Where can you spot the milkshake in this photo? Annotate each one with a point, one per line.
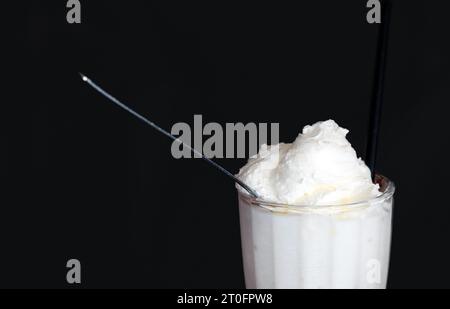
(319, 221)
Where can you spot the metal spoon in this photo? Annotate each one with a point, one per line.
(153, 125)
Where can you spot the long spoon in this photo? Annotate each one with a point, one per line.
(155, 126)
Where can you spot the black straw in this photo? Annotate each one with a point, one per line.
(161, 130)
(378, 90)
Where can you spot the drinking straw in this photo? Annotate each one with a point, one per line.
(378, 89)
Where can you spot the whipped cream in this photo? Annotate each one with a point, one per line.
(319, 168)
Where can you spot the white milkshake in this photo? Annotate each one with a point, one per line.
(320, 222)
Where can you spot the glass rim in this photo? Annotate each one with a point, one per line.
(385, 183)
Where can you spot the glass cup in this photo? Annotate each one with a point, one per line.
(314, 247)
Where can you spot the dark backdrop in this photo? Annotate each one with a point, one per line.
(84, 180)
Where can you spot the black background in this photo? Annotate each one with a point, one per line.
(85, 180)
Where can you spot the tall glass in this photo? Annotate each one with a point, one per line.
(313, 247)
